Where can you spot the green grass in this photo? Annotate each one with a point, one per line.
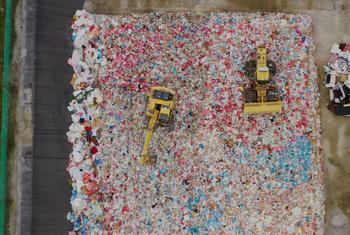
(2, 17)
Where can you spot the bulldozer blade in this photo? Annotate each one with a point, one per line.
(263, 107)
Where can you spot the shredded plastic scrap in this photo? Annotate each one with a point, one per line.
(219, 171)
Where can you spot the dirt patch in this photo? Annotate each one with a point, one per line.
(12, 200)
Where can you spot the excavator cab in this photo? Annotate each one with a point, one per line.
(161, 101)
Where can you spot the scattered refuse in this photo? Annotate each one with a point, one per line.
(337, 78)
(218, 170)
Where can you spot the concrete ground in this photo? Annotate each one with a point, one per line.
(38, 184)
(330, 20)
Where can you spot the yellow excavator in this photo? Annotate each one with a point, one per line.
(161, 102)
(261, 96)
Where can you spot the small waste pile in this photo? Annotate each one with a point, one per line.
(219, 171)
(337, 79)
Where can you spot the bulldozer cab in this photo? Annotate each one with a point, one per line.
(262, 71)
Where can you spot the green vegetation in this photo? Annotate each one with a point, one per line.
(2, 18)
(10, 199)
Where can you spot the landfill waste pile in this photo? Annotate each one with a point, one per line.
(219, 171)
(337, 79)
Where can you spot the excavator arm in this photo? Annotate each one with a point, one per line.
(145, 158)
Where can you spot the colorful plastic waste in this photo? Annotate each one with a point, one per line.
(219, 171)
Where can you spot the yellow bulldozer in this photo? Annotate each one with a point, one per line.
(161, 102)
(261, 96)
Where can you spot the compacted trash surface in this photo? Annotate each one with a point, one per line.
(218, 169)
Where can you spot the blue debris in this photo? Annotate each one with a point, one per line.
(290, 167)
